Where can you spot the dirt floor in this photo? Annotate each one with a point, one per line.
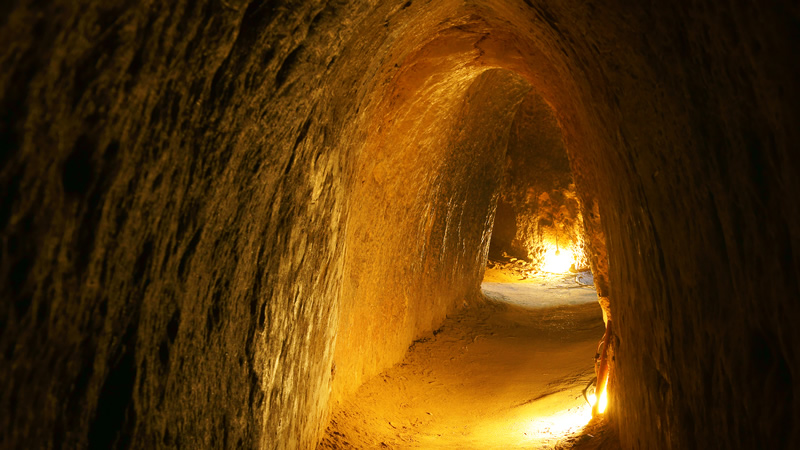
(506, 374)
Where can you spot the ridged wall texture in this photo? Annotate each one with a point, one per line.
(203, 204)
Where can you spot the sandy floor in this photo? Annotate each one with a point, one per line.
(507, 374)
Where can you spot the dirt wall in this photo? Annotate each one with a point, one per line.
(419, 228)
(174, 196)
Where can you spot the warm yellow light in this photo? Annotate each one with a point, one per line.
(559, 424)
(603, 402)
(601, 405)
(557, 260)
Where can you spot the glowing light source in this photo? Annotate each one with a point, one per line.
(560, 424)
(557, 260)
(603, 402)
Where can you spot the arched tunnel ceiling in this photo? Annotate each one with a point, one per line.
(181, 188)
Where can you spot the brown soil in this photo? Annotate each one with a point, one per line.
(505, 374)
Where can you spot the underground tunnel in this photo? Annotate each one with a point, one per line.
(224, 221)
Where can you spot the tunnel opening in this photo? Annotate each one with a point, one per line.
(538, 225)
(457, 126)
(538, 242)
(522, 359)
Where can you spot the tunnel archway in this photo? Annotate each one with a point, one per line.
(179, 180)
(424, 205)
(538, 209)
(416, 179)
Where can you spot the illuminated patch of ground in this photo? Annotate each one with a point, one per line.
(501, 375)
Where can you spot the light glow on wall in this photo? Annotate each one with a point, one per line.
(557, 260)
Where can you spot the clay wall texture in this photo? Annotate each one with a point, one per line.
(420, 220)
(210, 210)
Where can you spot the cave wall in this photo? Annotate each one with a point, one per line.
(423, 204)
(705, 324)
(174, 193)
(180, 206)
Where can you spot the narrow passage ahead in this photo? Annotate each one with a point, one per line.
(508, 373)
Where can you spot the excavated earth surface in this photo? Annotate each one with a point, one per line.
(508, 373)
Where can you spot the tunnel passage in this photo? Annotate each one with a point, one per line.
(538, 209)
(418, 238)
(180, 188)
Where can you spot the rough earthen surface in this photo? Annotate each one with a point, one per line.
(419, 228)
(194, 233)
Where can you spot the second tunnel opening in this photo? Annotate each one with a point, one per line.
(538, 226)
